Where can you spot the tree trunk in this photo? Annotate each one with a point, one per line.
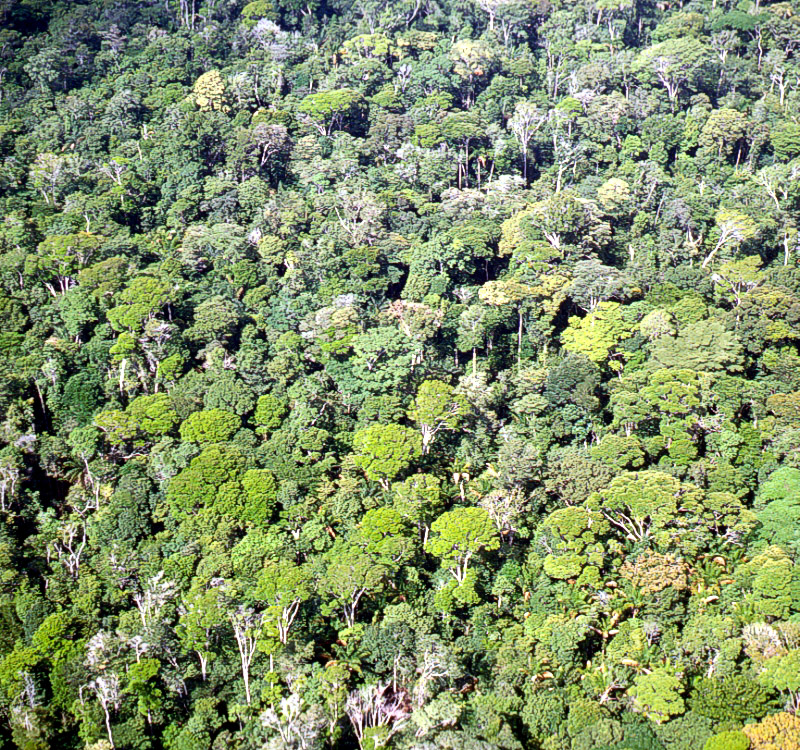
(108, 727)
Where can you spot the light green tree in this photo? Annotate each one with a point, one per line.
(419, 498)
(732, 229)
(723, 129)
(139, 302)
(458, 535)
(201, 618)
(642, 504)
(327, 111)
(767, 582)
(284, 586)
(673, 63)
(350, 574)
(598, 334)
(209, 426)
(209, 92)
(782, 673)
(383, 451)
(658, 694)
(436, 407)
(508, 292)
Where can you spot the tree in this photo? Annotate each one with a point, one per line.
(557, 228)
(216, 319)
(419, 498)
(569, 536)
(472, 61)
(778, 730)
(106, 689)
(598, 334)
(209, 426)
(778, 506)
(658, 694)
(740, 277)
(210, 92)
(142, 683)
(269, 413)
(767, 582)
(463, 128)
(734, 698)
(383, 534)
(201, 620)
(706, 346)
(593, 283)
(782, 673)
(351, 573)
(436, 407)
(472, 330)
(246, 625)
(65, 257)
(332, 110)
(459, 535)
(384, 451)
(673, 63)
(376, 712)
(140, 301)
(198, 484)
(284, 587)
(643, 504)
(524, 124)
(729, 740)
(52, 175)
(724, 128)
(297, 724)
(507, 292)
(490, 7)
(146, 417)
(153, 415)
(733, 228)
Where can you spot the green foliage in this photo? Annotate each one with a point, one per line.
(782, 673)
(399, 374)
(459, 535)
(140, 301)
(735, 698)
(544, 714)
(598, 334)
(210, 426)
(154, 414)
(768, 582)
(198, 484)
(685, 732)
(436, 408)
(384, 451)
(331, 110)
(643, 504)
(269, 413)
(730, 740)
(703, 347)
(658, 694)
(674, 63)
(145, 417)
(778, 504)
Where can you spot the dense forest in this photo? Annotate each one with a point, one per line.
(414, 374)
